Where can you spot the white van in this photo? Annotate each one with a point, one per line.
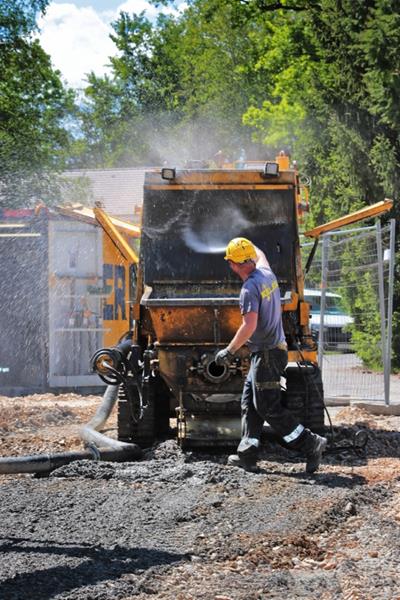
(336, 321)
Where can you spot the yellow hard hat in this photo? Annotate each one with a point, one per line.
(239, 250)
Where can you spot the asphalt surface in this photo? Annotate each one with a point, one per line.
(344, 376)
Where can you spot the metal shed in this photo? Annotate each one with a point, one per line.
(55, 297)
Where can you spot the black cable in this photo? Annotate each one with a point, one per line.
(337, 448)
(136, 415)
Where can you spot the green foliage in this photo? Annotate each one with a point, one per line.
(178, 89)
(360, 295)
(396, 315)
(18, 17)
(366, 331)
(334, 76)
(33, 105)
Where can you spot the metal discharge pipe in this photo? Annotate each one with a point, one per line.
(105, 448)
(44, 463)
(90, 433)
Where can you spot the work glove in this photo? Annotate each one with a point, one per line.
(223, 357)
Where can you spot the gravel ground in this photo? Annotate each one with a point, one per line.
(185, 526)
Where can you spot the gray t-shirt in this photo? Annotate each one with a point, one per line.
(260, 293)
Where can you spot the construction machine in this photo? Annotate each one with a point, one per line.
(183, 302)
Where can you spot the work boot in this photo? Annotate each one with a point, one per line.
(312, 446)
(314, 455)
(248, 463)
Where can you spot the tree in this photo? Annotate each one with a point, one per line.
(18, 18)
(335, 74)
(178, 89)
(33, 106)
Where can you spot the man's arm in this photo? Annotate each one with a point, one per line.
(262, 260)
(245, 331)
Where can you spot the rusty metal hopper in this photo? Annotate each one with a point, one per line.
(191, 293)
(193, 320)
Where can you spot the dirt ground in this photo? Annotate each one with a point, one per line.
(185, 526)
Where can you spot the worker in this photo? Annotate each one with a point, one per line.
(262, 330)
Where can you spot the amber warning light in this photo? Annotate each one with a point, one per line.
(271, 169)
(168, 173)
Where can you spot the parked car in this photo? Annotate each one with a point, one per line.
(336, 321)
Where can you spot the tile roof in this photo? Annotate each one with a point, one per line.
(118, 190)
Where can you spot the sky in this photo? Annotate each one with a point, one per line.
(76, 34)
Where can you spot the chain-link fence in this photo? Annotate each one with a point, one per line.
(350, 289)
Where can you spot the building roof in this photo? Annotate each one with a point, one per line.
(119, 191)
(87, 215)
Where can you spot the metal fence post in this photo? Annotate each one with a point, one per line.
(390, 307)
(381, 291)
(324, 280)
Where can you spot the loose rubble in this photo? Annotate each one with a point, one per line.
(186, 526)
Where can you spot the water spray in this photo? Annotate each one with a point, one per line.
(212, 238)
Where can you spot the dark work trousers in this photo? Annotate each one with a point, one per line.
(261, 401)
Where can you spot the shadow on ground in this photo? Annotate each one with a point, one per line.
(97, 564)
